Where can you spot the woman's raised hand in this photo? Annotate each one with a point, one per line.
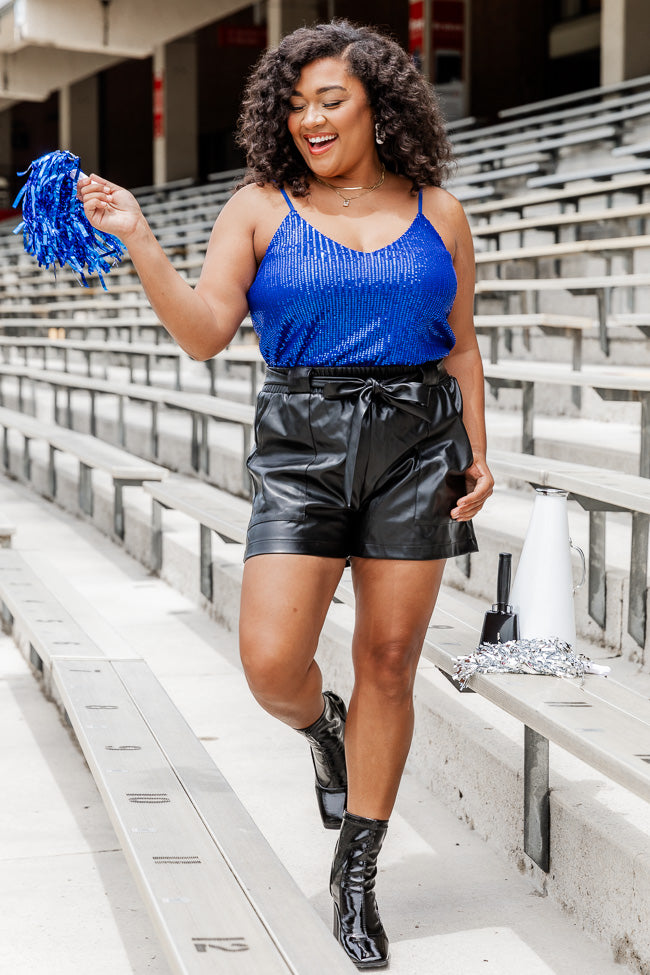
(108, 207)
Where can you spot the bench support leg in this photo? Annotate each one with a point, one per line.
(644, 455)
(156, 535)
(597, 568)
(604, 296)
(51, 473)
(206, 562)
(576, 362)
(212, 370)
(154, 430)
(93, 413)
(121, 425)
(637, 609)
(194, 450)
(27, 460)
(118, 508)
(247, 436)
(528, 412)
(255, 368)
(494, 346)
(85, 489)
(204, 461)
(537, 819)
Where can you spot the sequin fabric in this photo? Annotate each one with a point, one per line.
(316, 302)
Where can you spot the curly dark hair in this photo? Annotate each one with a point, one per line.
(404, 105)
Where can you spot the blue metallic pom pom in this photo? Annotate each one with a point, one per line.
(54, 225)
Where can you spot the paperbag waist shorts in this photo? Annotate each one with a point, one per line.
(359, 461)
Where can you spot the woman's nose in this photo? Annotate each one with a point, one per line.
(314, 115)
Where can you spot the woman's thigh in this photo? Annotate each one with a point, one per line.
(284, 602)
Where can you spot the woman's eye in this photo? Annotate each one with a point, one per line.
(296, 108)
(331, 104)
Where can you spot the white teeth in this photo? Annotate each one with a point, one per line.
(313, 140)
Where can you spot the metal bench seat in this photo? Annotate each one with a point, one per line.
(201, 407)
(124, 468)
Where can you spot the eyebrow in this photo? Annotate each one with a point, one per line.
(321, 91)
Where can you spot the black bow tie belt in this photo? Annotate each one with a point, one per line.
(408, 396)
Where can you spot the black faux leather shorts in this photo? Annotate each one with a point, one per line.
(359, 461)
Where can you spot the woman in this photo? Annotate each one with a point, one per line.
(358, 271)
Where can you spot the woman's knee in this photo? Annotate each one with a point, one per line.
(271, 672)
(389, 667)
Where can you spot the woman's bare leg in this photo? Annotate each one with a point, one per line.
(394, 603)
(284, 602)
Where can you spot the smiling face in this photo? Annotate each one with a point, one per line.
(332, 123)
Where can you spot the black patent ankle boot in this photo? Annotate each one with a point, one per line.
(357, 925)
(325, 738)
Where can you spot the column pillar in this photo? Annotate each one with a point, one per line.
(79, 123)
(175, 110)
(65, 113)
(625, 25)
(159, 127)
(286, 15)
(181, 108)
(5, 157)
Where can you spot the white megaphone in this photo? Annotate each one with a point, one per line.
(542, 593)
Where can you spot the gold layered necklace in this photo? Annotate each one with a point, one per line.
(342, 190)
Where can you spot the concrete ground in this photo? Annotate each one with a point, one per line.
(67, 902)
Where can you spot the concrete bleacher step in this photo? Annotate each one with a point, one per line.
(450, 902)
(67, 900)
(170, 806)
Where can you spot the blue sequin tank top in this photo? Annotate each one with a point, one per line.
(315, 302)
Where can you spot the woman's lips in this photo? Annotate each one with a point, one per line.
(318, 148)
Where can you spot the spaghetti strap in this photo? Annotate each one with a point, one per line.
(420, 202)
(288, 199)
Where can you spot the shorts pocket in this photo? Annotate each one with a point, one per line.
(443, 458)
(284, 450)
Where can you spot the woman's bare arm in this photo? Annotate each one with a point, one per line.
(464, 362)
(203, 320)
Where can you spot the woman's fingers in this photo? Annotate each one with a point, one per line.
(479, 478)
(105, 183)
(107, 206)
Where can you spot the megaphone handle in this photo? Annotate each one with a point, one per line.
(584, 566)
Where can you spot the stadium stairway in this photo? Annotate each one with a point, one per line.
(451, 901)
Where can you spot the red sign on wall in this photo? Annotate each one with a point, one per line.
(448, 24)
(416, 26)
(242, 36)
